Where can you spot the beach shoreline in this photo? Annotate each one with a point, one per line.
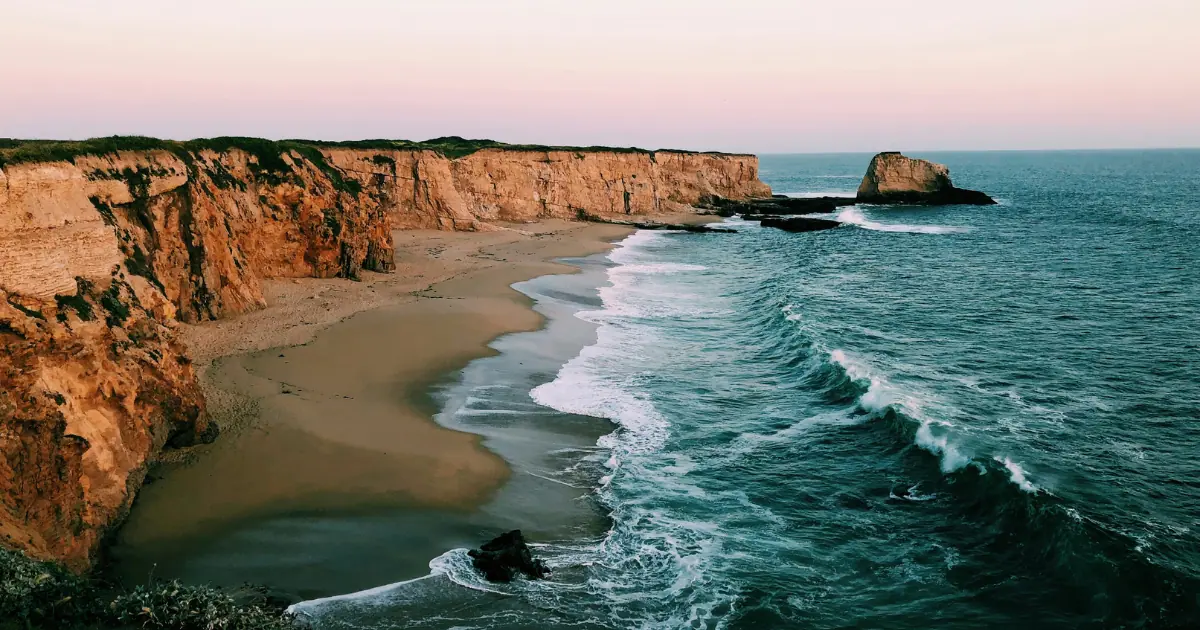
(324, 397)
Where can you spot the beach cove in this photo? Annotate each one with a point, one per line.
(324, 398)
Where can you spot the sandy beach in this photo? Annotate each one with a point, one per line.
(323, 397)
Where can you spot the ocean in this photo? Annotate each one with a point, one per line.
(959, 417)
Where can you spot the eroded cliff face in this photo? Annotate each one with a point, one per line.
(92, 383)
(428, 190)
(522, 185)
(101, 255)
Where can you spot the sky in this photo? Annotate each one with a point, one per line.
(746, 75)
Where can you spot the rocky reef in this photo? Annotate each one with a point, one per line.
(775, 205)
(106, 244)
(799, 224)
(893, 178)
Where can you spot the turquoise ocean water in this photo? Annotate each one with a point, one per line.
(958, 417)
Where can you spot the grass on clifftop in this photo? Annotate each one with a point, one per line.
(43, 595)
(268, 152)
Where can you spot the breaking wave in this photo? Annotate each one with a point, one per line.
(854, 216)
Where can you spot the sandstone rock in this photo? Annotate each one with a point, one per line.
(894, 178)
(92, 386)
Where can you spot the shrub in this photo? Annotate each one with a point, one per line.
(268, 153)
(34, 313)
(41, 594)
(139, 265)
(105, 211)
(77, 302)
(174, 606)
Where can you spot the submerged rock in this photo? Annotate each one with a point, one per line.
(894, 178)
(506, 555)
(799, 224)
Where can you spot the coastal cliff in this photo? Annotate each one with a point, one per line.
(106, 244)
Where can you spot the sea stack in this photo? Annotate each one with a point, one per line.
(894, 178)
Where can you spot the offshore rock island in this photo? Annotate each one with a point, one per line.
(105, 245)
(893, 178)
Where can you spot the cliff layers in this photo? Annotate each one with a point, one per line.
(105, 245)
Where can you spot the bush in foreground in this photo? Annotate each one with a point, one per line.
(43, 595)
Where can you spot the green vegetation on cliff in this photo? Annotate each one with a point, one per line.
(268, 152)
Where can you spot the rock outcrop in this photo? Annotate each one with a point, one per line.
(895, 179)
(506, 556)
(106, 244)
(203, 227)
(777, 205)
(430, 190)
(799, 224)
(92, 384)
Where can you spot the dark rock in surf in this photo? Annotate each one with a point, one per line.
(799, 224)
(776, 205)
(502, 558)
(895, 179)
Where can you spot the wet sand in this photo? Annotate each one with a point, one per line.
(324, 396)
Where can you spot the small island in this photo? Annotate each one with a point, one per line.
(893, 178)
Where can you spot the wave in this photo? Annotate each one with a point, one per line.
(649, 554)
(379, 595)
(580, 389)
(583, 385)
(1053, 535)
(881, 398)
(854, 216)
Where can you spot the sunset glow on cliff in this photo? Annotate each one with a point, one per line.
(756, 76)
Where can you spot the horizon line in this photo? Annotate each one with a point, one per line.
(619, 146)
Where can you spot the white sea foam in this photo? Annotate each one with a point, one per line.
(939, 444)
(653, 268)
(587, 385)
(932, 435)
(668, 555)
(580, 389)
(377, 595)
(912, 494)
(1017, 474)
(854, 216)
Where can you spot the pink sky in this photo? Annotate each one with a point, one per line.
(749, 75)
